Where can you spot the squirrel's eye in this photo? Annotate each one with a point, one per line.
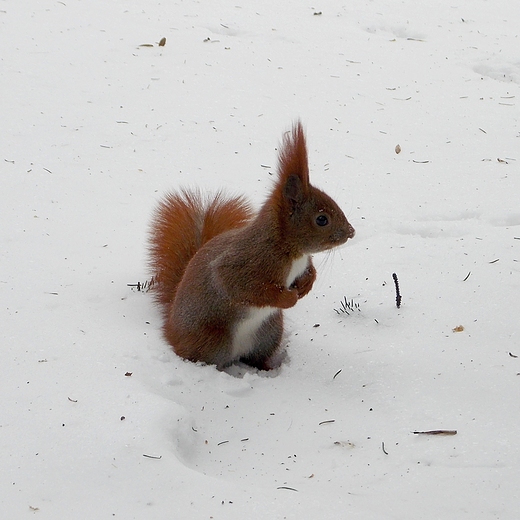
(322, 220)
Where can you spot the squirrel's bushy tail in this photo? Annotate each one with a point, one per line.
(183, 222)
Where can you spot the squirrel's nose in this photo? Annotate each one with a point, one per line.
(351, 232)
(343, 234)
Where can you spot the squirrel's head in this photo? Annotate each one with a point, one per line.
(308, 217)
(313, 219)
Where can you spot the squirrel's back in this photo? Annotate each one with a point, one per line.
(182, 224)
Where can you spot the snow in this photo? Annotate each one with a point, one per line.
(100, 419)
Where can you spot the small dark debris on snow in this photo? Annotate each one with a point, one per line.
(458, 328)
(437, 432)
(347, 307)
(144, 286)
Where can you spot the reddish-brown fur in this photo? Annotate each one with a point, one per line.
(183, 223)
(222, 273)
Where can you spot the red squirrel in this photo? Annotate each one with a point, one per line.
(223, 274)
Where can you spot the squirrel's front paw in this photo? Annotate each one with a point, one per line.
(304, 283)
(287, 298)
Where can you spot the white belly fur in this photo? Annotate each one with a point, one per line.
(297, 269)
(245, 332)
(243, 340)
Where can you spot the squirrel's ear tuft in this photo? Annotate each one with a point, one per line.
(293, 157)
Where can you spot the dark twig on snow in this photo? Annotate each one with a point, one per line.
(437, 432)
(397, 291)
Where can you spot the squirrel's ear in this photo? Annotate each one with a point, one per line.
(299, 152)
(293, 157)
(293, 191)
(293, 169)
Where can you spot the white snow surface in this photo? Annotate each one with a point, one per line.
(100, 419)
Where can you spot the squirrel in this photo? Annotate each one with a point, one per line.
(223, 274)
